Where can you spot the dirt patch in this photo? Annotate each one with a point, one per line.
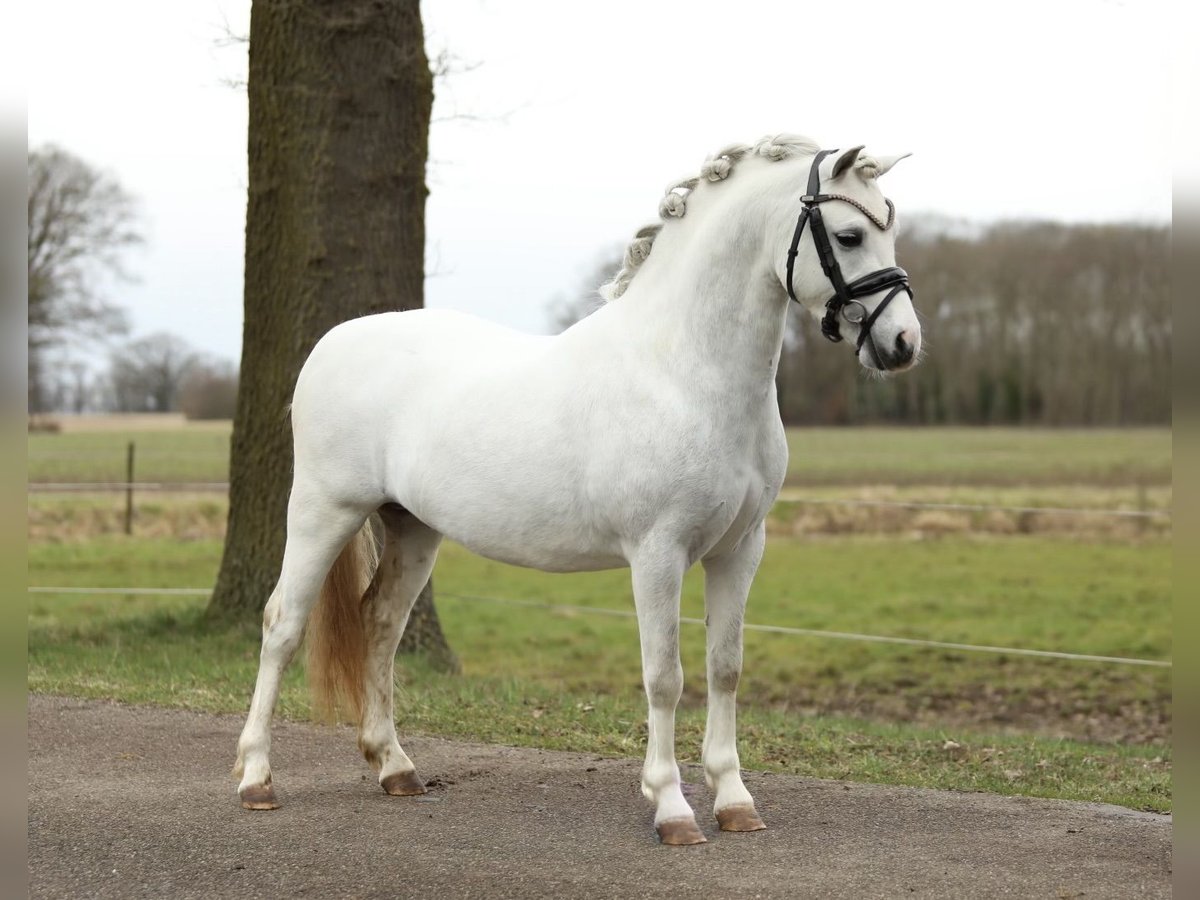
(987, 708)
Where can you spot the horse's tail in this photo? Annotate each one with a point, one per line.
(337, 636)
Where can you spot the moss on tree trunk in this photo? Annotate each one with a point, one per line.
(340, 98)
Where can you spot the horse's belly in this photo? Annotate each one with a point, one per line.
(519, 523)
(544, 556)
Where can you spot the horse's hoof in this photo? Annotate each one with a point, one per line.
(680, 832)
(258, 796)
(403, 784)
(741, 817)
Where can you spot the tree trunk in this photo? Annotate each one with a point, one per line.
(340, 97)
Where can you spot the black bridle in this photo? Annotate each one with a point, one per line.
(844, 302)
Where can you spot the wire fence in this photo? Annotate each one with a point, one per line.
(688, 620)
(87, 487)
(221, 486)
(129, 487)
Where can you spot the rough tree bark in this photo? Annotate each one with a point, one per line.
(340, 97)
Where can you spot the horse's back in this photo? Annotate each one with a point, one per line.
(425, 336)
(368, 377)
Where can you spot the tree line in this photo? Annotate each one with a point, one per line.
(1023, 323)
(81, 222)
(160, 372)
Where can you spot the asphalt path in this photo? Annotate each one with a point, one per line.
(139, 802)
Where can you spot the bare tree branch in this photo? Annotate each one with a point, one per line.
(81, 222)
(146, 375)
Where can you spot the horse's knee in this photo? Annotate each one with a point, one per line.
(664, 683)
(724, 675)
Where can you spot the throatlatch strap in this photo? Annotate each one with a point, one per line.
(791, 263)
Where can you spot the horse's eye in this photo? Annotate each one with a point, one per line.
(849, 238)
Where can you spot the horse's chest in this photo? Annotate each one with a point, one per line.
(740, 492)
(730, 518)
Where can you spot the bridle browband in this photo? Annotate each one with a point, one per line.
(844, 301)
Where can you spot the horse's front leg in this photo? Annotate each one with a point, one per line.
(657, 578)
(726, 585)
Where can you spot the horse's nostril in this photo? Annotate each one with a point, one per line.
(904, 348)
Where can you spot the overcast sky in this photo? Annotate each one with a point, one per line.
(557, 145)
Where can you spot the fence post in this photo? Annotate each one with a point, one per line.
(1143, 502)
(129, 490)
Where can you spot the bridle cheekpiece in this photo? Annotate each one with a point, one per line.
(844, 303)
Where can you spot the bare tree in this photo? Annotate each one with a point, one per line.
(209, 391)
(146, 374)
(1033, 323)
(80, 222)
(340, 97)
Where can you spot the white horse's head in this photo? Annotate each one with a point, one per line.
(844, 271)
(816, 218)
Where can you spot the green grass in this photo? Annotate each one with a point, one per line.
(176, 659)
(571, 680)
(194, 453)
(1001, 456)
(844, 456)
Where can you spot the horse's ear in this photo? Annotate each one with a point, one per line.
(886, 162)
(846, 160)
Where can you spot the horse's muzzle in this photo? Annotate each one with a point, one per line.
(900, 355)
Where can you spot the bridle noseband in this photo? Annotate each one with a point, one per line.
(844, 301)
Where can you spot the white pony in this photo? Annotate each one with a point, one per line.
(647, 435)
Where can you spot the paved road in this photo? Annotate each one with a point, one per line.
(136, 802)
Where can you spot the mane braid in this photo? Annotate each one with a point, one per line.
(673, 205)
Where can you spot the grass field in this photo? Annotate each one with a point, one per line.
(809, 705)
(812, 706)
(999, 456)
(1105, 600)
(819, 456)
(188, 453)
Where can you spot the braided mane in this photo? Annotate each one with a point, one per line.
(673, 205)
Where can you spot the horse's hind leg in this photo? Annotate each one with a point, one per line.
(727, 582)
(409, 552)
(317, 531)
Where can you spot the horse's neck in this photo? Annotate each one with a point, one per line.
(713, 311)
